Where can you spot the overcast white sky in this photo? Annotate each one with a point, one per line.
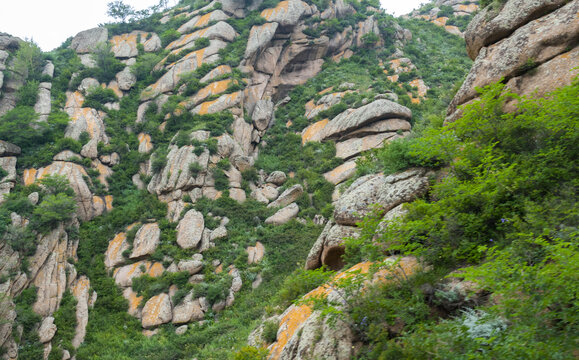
(50, 23)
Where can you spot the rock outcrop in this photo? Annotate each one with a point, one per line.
(529, 35)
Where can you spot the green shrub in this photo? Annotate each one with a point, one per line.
(251, 353)
(269, 334)
(195, 169)
(28, 94)
(99, 96)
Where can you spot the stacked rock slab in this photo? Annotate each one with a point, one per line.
(529, 45)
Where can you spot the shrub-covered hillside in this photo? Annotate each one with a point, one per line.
(192, 182)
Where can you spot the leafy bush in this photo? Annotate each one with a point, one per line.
(99, 96)
(28, 94)
(269, 334)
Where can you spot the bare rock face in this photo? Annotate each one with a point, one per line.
(188, 310)
(341, 173)
(176, 174)
(220, 31)
(157, 311)
(255, 253)
(81, 291)
(47, 330)
(48, 270)
(349, 121)
(124, 275)
(9, 149)
(86, 41)
(488, 27)
(259, 37)
(125, 45)
(146, 240)
(202, 21)
(288, 196)
(386, 191)
(188, 63)
(190, 229)
(283, 215)
(527, 45)
(262, 114)
(114, 253)
(287, 12)
(224, 102)
(354, 146)
(90, 121)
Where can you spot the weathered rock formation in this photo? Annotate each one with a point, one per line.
(528, 45)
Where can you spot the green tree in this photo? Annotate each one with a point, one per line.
(29, 61)
(53, 210)
(119, 10)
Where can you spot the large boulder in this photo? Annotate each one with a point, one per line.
(9, 149)
(190, 229)
(288, 196)
(283, 215)
(224, 102)
(82, 293)
(114, 254)
(146, 240)
(259, 37)
(385, 191)
(329, 247)
(349, 121)
(188, 310)
(157, 311)
(262, 114)
(87, 40)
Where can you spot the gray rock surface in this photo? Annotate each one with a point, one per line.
(86, 41)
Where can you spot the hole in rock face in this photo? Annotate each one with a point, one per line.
(332, 257)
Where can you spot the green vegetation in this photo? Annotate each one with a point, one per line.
(505, 207)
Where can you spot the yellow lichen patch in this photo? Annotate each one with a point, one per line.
(114, 86)
(109, 202)
(393, 78)
(205, 108)
(310, 105)
(203, 20)
(421, 86)
(98, 202)
(115, 245)
(425, 17)
(74, 100)
(156, 270)
(288, 123)
(327, 90)
(219, 269)
(29, 176)
(213, 89)
(453, 30)
(441, 21)
(281, 8)
(309, 133)
(218, 71)
(336, 175)
(81, 285)
(133, 225)
(134, 301)
(413, 99)
(145, 142)
(469, 8)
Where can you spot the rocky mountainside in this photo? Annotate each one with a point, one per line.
(194, 184)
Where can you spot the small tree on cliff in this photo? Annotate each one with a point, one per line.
(119, 10)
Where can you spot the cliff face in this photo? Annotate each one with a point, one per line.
(201, 152)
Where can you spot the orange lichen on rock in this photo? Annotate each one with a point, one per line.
(327, 90)
(441, 21)
(214, 88)
(296, 315)
(393, 78)
(29, 176)
(469, 8)
(115, 245)
(310, 133)
(282, 7)
(109, 202)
